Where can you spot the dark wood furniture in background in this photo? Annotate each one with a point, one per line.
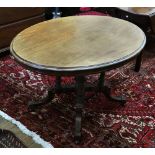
(13, 20)
(144, 17)
(78, 46)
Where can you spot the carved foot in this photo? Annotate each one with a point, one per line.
(32, 105)
(120, 99)
(107, 90)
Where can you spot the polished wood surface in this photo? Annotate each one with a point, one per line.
(77, 43)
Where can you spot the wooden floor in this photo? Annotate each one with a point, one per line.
(27, 140)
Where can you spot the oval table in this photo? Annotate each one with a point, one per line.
(78, 46)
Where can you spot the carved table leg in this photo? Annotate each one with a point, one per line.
(138, 62)
(51, 92)
(101, 81)
(79, 106)
(107, 90)
(58, 87)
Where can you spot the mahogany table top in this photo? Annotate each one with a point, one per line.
(78, 43)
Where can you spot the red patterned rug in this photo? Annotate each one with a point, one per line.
(105, 123)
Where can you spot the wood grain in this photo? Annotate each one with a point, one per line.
(78, 42)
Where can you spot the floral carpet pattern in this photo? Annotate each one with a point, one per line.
(105, 123)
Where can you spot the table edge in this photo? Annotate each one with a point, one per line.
(82, 69)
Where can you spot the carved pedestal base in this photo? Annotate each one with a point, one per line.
(80, 89)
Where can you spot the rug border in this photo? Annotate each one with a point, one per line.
(26, 131)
